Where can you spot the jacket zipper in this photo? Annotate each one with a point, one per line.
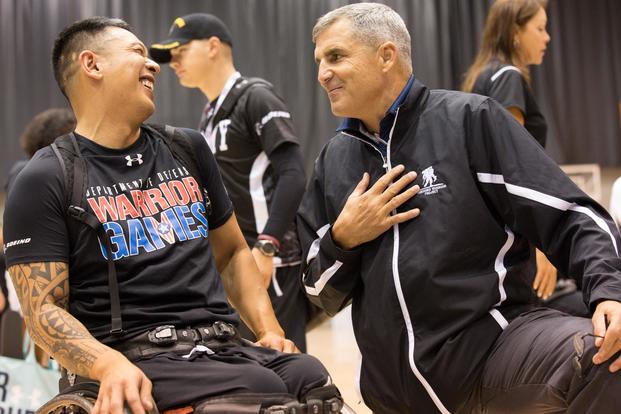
(384, 162)
(404, 310)
(395, 272)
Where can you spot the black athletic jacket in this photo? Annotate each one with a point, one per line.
(430, 296)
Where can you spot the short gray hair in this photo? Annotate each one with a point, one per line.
(373, 24)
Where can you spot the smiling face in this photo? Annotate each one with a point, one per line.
(533, 39)
(191, 63)
(350, 71)
(128, 73)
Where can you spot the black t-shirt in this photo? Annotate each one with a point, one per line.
(15, 170)
(242, 144)
(155, 213)
(506, 85)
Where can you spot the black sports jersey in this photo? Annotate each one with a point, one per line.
(242, 144)
(155, 214)
(506, 85)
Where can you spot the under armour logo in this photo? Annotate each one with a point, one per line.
(131, 161)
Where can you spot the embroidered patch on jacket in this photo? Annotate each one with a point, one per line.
(430, 185)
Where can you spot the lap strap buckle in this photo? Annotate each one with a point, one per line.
(163, 335)
(223, 330)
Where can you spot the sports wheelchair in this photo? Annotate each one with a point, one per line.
(80, 399)
(78, 395)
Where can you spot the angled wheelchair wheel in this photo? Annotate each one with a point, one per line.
(73, 404)
(67, 404)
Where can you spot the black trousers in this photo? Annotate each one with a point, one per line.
(572, 303)
(179, 381)
(533, 368)
(290, 306)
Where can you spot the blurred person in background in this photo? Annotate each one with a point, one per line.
(514, 38)
(40, 132)
(250, 132)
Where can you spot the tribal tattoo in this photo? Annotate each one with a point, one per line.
(43, 291)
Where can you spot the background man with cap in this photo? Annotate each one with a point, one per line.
(249, 130)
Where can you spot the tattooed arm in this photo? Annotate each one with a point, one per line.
(43, 291)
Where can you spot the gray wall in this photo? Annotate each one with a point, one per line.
(578, 85)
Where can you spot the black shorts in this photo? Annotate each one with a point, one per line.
(179, 381)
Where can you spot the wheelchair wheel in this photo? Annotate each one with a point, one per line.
(67, 404)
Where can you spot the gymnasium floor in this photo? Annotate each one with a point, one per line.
(334, 344)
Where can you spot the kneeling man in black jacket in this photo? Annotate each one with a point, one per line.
(420, 212)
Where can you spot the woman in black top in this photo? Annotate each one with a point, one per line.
(515, 37)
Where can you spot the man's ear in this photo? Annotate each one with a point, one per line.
(388, 55)
(215, 46)
(90, 64)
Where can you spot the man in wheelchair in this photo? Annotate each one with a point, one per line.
(124, 248)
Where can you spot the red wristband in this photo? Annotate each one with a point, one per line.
(270, 238)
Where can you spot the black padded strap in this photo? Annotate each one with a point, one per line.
(180, 145)
(63, 165)
(79, 181)
(116, 321)
(237, 91)
(75, 174)
(64, 150)
(249, 403)
(73, 166)
(185, 151)
(80, 178)
(90, 220)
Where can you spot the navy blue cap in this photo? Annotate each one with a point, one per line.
(187, 28)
